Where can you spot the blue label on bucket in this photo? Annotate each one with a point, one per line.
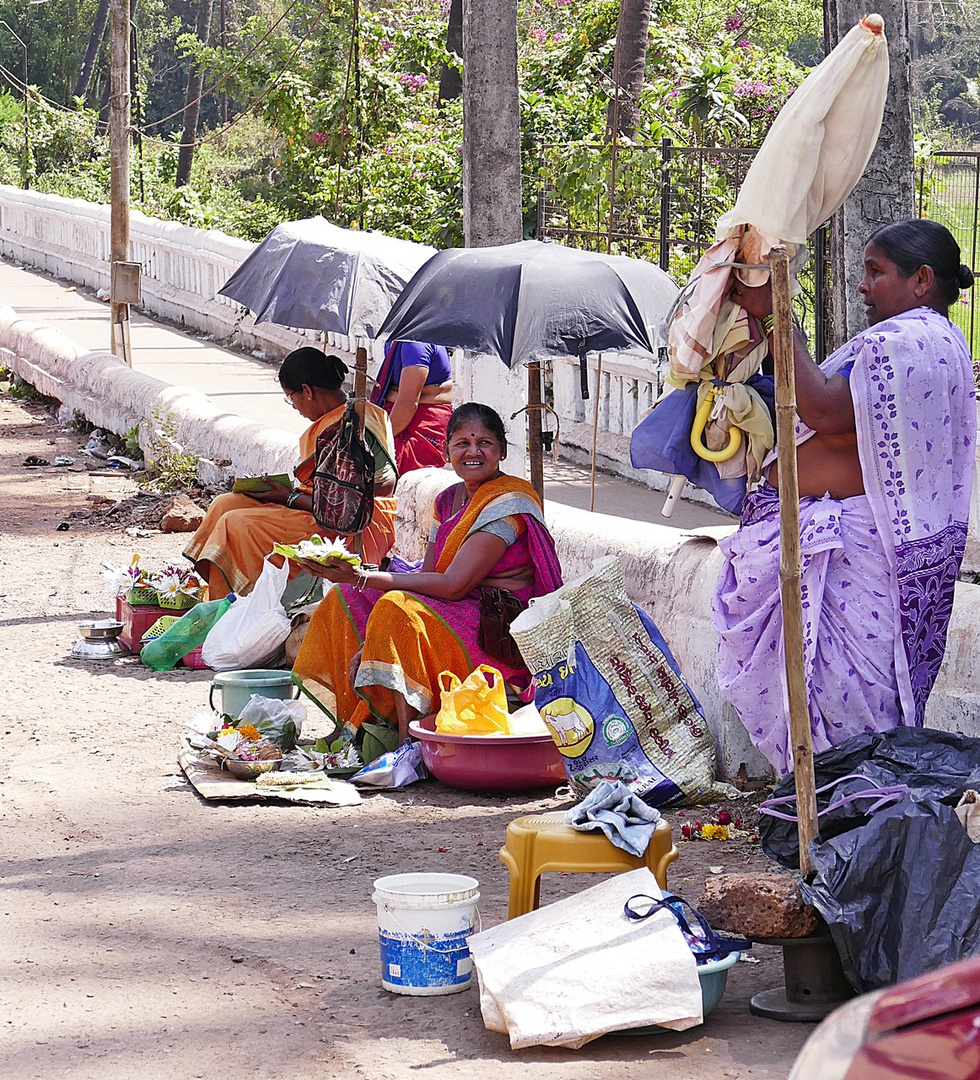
(425, 959)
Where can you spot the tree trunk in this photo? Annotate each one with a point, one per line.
(632, 35)
(94, 43)
(192, 99)
(886, 191)
(451, 78)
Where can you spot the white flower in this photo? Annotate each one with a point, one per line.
(167, 584)
(230, 741)
(191, 585)
(118, 577)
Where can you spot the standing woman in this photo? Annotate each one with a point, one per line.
(885, 450)
(415, 386)
(238, 531)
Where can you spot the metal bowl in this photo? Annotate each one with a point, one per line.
(102, 630)
(249, 770)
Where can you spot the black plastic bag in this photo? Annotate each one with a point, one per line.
(934, 765)
(896, 887)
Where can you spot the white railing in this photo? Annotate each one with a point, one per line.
(183, 268)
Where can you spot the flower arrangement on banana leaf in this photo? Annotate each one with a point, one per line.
(318, 550)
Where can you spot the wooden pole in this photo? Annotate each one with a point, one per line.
(535, 450)
(790, 577)
(360, 393)
(595, 429)
(119, 106)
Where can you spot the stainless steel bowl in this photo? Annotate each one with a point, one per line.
(249, 770)
(96, 650)
(102, 630)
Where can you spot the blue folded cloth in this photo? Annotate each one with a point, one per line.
(624, 817)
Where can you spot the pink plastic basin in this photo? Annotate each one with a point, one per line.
(489, 762)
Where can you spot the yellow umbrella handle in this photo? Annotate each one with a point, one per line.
(697, 431)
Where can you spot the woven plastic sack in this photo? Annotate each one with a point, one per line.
(612, 695)
(475, 706)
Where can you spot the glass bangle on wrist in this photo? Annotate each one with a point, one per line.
(767, 322)
(362, 580)
(293, 496)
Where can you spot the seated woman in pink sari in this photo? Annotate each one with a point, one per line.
(378, 641)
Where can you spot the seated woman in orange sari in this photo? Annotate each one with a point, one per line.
(238, 531)
(378, 641)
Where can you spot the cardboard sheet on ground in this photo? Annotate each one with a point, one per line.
(211, 783)
(569, 972)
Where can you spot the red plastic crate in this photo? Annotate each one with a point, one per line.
(194, 659)
(136, 621)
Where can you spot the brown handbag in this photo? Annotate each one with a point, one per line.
(498, 609)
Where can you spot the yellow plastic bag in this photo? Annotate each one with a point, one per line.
(476, 706)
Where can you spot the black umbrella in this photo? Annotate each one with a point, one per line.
(313, 275)
(524, 302)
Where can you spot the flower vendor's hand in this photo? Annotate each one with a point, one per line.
(341, 572)
(756, 301)
(355, 663)
(277, 493)
(317, 569)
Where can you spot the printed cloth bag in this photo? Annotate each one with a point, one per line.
(343, 481)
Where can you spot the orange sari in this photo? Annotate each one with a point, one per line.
(238, 532)
(407, 639)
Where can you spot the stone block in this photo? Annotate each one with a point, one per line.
(182, 516)
(757, 905)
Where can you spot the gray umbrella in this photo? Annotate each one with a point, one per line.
(524, 302)
(313, 275)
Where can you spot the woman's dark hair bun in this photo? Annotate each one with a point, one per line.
(311, 367)
(966, 278)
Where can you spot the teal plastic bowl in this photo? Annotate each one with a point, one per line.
(713, 976)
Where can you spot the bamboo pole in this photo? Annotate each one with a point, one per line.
(595, 431)
(789, 554)
(535, 451)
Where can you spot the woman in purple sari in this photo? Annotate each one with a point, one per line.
(885, 436)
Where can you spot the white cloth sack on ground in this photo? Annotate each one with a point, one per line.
(253, 629)
(569, 972)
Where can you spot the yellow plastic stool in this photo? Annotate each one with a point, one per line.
(542, 843)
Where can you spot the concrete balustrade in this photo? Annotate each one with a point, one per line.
(670, 573)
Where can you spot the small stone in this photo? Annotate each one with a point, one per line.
(757, 905)
(183, 515)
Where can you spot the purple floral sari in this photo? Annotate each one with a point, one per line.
(879, 570)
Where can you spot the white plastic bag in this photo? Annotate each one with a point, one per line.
(279, 720)
(253, 629)
(396, 769)
(568, 972)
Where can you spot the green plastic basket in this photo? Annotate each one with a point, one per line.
(159, 627)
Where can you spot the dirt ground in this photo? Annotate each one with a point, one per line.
(148, 933)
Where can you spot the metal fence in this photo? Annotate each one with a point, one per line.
(948, 191)
(661, 202)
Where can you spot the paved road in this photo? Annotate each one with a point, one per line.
(246, 385)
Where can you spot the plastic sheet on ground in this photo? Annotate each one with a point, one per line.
(569, 972)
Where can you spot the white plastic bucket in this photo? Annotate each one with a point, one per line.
(424, 921)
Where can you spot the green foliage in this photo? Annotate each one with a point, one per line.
(171, 466)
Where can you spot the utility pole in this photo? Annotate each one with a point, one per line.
(119, 123)
(492, 212)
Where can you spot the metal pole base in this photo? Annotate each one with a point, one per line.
(815, 983)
